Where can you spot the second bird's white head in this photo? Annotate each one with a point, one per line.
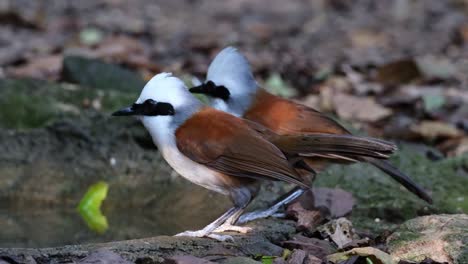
(230, 84)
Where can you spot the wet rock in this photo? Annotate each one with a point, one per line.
(157, 248)
(98, 74)
(279, 261)
(443, 238)
(265, 248)
(104, 256)
(17, 260)
(297, 257)
(240, 260)
(311, 259)
(186, 260)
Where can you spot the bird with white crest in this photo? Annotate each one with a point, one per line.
(210, 148)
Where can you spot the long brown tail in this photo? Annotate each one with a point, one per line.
(331, 144)
(349, 148)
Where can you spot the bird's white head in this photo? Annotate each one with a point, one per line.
(164, 104)
(230, 83)
(166, 88)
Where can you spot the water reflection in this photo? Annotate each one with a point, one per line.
(177, 208)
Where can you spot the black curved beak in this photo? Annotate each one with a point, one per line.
(197, 89)
(127, 111)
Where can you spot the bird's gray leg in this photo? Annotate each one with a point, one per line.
(287, 198)
(241, 198)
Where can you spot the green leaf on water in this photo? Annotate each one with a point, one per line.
(90, 207)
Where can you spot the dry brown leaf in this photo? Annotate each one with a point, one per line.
(313, 246)
(340, 231)
(330, 88)
(431, 130)
(377, 256)
(48, 67)
(359, 83)
(326, 99)
(462, 148)
(119, 47)
(464, 32)
(455, 146)
(359, 108)
(398, 72)
(368, 39)
(307, 220)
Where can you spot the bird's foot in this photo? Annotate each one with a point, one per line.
(227, 227)
(203, 233)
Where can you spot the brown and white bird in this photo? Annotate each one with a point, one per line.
(211, 148)
(231, 87)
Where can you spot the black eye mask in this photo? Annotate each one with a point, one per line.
(211, 89)
(153, 108)
(147, 108)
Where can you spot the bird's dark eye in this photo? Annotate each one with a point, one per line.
(149, 101)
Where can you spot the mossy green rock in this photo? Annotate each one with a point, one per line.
(29, 103)
(443, 238)
(382, 203)
(98, 74)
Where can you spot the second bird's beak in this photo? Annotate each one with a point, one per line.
(127, 111)
(197, 89)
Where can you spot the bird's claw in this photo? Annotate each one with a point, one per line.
(239, 229)
(202, 233)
